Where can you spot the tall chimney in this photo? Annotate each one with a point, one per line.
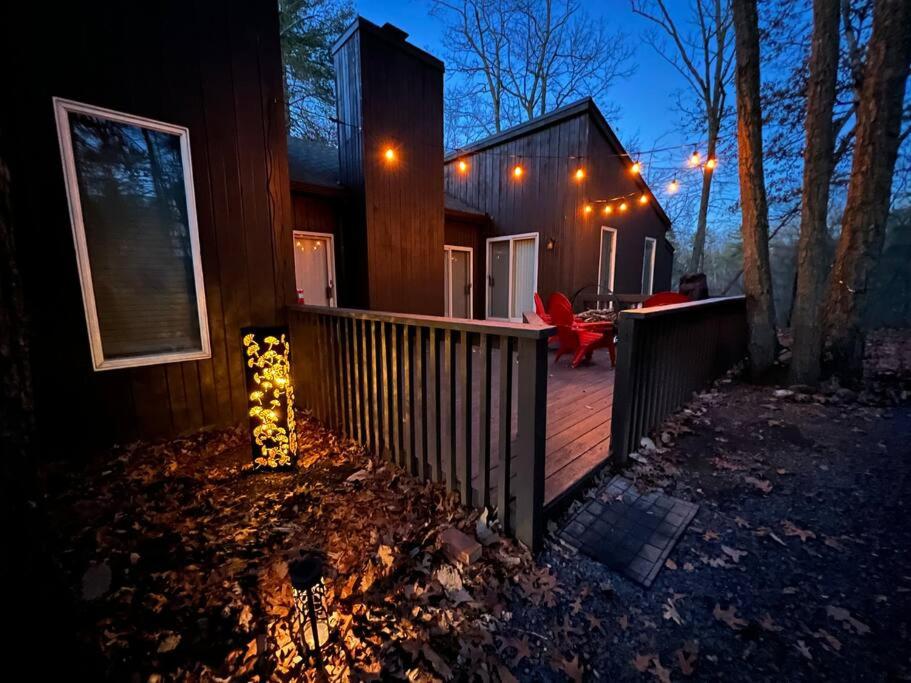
(390, 132)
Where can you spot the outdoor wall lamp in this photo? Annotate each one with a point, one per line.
(306, 576)
(267, 371)
(550, 244)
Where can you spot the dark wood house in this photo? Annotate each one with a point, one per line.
(550, 205)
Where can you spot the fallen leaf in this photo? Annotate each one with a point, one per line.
(833, 642)
(848, 622)
(733, 553)
(169, 643)
(96, 581)
(670, 564)
(762, 484)
(671, 613)
(791, 529)
(804, 650)
(642, 662)
(729, 617)
(768, 624)
(686, 657)
(710, 535)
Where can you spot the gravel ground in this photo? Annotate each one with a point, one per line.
(795, 568)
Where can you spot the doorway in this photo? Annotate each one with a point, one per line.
(314, 268)
(512, 276)
(458, 266)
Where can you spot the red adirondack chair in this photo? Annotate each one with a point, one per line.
(545, 317)
(578, 340)
(665, 298)
(559, 299)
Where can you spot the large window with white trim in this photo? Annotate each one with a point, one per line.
(130, 189)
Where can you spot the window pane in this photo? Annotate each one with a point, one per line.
(607, 263)
(134, 209)
(311, 269)
(499, 279)
(525, 259)
(648, 264)
(459, 272)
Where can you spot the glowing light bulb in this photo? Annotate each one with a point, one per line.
(695, 158)
(389, 155)
(580, 174)
(463, 166)
(673, 186)
(517, 172)
(623, 207)
(710, 164)
(636, 168)
(643, 198)
(608, 209)
(588, 208)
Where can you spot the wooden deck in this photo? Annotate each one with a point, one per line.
(579, 404)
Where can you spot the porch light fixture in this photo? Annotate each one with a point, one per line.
(580, 175)
(267, 351)
(551, 244)
(463, 166)
(313, 625)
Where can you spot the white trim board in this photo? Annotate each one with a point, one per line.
(62, 109)
(651, 281)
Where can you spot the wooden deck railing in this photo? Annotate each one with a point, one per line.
(666, 353)
(405, 387)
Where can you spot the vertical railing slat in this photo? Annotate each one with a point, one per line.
(464, 464)
(532, 427)
(504, 434)
(407, 419)
(484, 419)
(388, 414)
(433, 411)
(420, 392)
(394, 390)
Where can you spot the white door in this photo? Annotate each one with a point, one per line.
(458, 263)
(648, 265)
(512, 276)
(607, 260)
(314, 268)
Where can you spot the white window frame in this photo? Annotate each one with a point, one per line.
(447, 286)
(62, 109)
(330, 258)
(511, 238)
(613, 257)
(651, 279)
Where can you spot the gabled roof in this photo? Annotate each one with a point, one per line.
(584, 107)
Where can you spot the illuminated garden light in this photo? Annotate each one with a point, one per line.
(313, 623)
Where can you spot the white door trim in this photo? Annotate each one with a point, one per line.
(511, 238)
(447, 286)
(613, 257)
(330, 258)
(651, 279)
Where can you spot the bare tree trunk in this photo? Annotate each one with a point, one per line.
(697, 260)
(818, 162)
(878, 137)
(757, 280)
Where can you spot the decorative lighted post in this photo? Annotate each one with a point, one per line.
(267, 351)
(306, 575)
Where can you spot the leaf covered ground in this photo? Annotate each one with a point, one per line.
(796, 567)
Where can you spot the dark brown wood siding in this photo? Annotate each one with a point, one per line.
(461, 232)
(213, 66)
(391, 95)
(549, 201)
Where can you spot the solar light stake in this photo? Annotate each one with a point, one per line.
(306, 575)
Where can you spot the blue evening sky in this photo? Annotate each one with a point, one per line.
(645, 101)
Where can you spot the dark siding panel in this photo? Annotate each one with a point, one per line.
(214, 67)
(550, 202)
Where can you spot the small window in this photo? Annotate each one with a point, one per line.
(648, 265)
(130, 190)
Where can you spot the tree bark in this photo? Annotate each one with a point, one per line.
(697, 260)
(818, 162)
(878, 136)
(757, 280)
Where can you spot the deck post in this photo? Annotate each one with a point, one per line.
(532, 435)
(623, 390)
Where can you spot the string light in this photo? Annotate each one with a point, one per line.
(695, 158)
(580, 174)
(673, 186)
(643, 198)
(622, 207)
(463, 166)
(517, 171)
(389, 155)
(588, 208)
(710, 164)
(636, 168)
(608, 209)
